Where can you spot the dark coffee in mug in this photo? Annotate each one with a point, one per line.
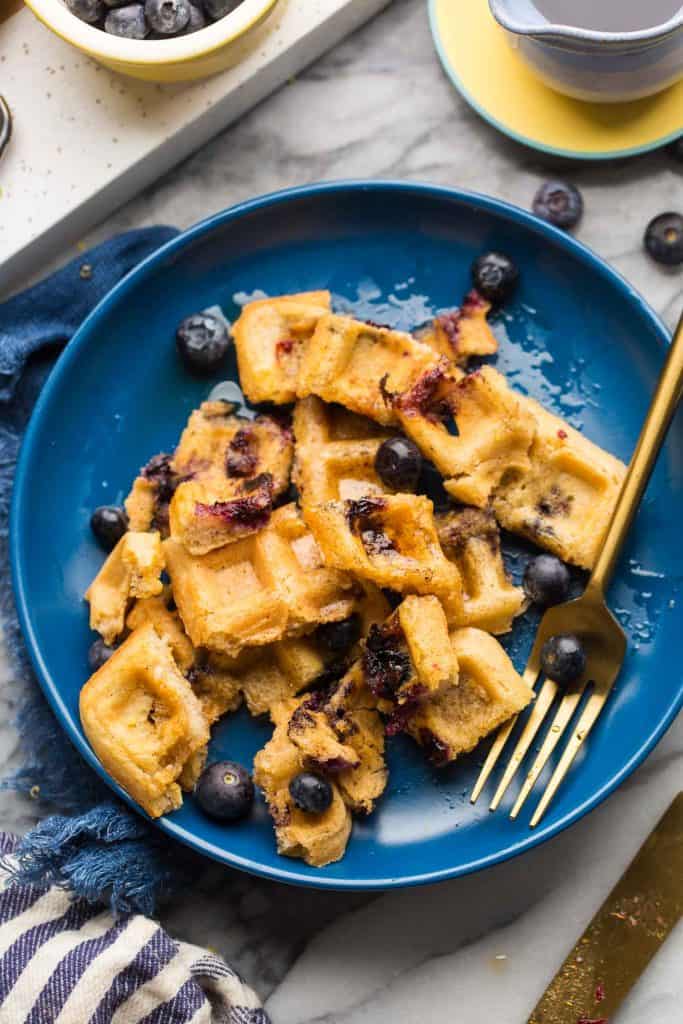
(609, 15)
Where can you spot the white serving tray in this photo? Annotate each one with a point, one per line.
(86, 139)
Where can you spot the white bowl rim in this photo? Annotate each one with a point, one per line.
(99, 44)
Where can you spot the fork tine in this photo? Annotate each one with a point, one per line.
(564, 715)
(586, 722)
(530, 676)
(544, 699)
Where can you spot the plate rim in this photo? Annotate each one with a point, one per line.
(70, 353)
(525, 140)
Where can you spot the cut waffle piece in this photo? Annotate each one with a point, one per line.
(270, 335)
(220, 483)
(493, 430)
(360, 365)
(256, 590)
(392, 541)
(409, 656)
(470, 538)
(335, 453)
(318, 839)
(489, 691)
(144, 722)
(460, 334)
(132, 569)
(565, 500)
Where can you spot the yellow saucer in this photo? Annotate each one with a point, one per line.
(494, 80)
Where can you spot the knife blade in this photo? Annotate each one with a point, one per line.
(624, 935)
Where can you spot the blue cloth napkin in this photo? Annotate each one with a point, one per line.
(95, 845)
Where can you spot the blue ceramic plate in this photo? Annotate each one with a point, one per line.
(577, 337)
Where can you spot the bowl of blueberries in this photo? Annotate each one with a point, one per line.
(157, 40)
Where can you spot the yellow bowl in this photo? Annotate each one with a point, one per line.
(197, 55)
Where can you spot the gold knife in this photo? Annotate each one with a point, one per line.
(624, 935)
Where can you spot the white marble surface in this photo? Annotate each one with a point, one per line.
(378, 105)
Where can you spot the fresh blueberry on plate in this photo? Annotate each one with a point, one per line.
(225, 791)
(338, 637)
(398, 463)
(546, 580)
(310, 792)
(559, 203)
(664, 239)
(167, 17)
(202, 341)
(89, 11)
(563, 658)
(495, 276)
(98, 653)
(127, 22)
(197, 21)
(219, 8)
(109, 523)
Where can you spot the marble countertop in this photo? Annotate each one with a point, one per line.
(482, 947)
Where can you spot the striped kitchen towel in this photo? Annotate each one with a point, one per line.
(65, 960)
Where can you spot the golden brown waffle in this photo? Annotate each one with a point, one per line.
(462, 333)
(565, 500)
(144, 722)
(409, 656)
(488, 692)
(256, 590)
(360, 366)
(352, 709)
(168, 625)
(132, 569)
(269, 338)
(220, 483)
(318, 839)
(391, 541)
(470, 538)
(494, 430)
(335, 453)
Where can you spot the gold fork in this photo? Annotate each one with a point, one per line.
(589, 618)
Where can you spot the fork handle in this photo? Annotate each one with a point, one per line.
(663, 406)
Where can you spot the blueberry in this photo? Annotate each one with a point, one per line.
(225, 791)
(202, 341)
(98, 653)
(167, 17)
(310, 792)
(197, 21)
(664, 239)
(398, 463)
(109, 523)
(495, 276)
(116, 3)
(676, 149)
(87, 10)
(546, 580)
(128, 22)
(559, 203)
(563, 658)
(338, 637)
(219, 8)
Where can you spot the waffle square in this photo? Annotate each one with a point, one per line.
(144, 722)
(488, 692)
(252, 592)
(318, 839)
(270, 335)
(335, 453)
(168, 624)
(565, 500)
(494, 429)
(470, 539)
(462, 333)
(409, 656)
(132, 569)
(392, 541)
(360, 365)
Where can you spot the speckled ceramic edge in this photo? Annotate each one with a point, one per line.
(288, 872)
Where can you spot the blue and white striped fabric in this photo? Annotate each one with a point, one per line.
(69, 961)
